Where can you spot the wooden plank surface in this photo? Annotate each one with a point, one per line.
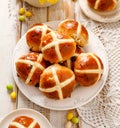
(9, 34)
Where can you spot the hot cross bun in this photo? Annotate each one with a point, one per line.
(30, 66)
(57, 82)
(103, 5)
(74, 29)
(88, 69)
(24, 122)
(57, 47)
(34, 35)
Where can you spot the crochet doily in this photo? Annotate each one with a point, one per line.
(104, 110)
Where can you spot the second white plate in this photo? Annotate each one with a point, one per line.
(107, 17)
(43, 121)
(80, 96)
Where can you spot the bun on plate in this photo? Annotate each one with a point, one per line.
(24, 122)
(30, 66)
(57, 47)
(88, 69)
(57, 82)
(74, 29)
(34, 36)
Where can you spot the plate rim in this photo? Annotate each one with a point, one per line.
(29, 110)
(66, 108)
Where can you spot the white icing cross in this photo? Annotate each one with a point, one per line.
(97, 4)
(37, 28)
(34, 66)
(92, 71)
(18, 125)
(79, 29)
(58, 87)
(56, 42)
(69, 63)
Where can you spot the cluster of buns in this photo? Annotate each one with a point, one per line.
(24, 122)
(57, 60)
(103, 5)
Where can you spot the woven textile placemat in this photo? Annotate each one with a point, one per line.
(104, 110)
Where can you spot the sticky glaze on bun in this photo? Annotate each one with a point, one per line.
(34, 36)
(70, 62)
(57, 47)
(57, 82)
(88, 69)
(30, 66)
(24, 122)
(74, 29)
(103, 5)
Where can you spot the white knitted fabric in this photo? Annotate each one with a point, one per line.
(104, 110)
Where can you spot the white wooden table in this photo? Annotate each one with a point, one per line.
(11, 29)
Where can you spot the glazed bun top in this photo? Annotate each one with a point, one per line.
(57, 47)
(74, 29)
(30, 66)
(24, 122)
(88, 69)
(103, 5)
(34, 36)
(57, 82)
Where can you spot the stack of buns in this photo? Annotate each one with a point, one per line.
(57, 60)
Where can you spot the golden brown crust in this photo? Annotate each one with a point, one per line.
(57, 47)
(27, 63)
(88, 69)
(74, 29)
(103, 5)
(53, 79)
(24, 121)
(70, 62)
(34, 35)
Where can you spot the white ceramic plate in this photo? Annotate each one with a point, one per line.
(80, 96)
(43, 121)
(107, 17)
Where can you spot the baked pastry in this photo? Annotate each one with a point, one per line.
(70, 62)
(103, 5)
(74, 29)
(88, 69)
(24, 122)
(57, 47)
(57, 82)
(34, 35)
(78, 51)
(30, 66)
